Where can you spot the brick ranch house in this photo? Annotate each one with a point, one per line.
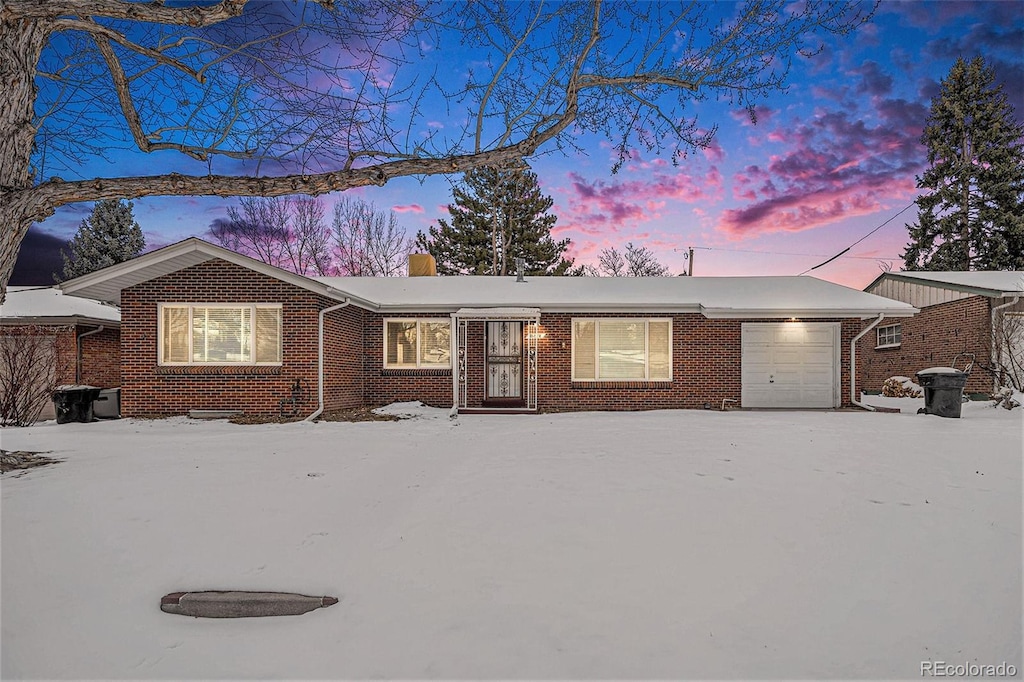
(959, 311)
(204, 328)
(83, 337)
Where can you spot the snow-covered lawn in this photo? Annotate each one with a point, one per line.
(671, 544)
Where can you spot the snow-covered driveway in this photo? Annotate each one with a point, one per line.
(671, 544)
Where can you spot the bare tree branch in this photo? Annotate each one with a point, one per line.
(317, 93)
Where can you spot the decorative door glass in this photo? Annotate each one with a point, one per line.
(505, 360)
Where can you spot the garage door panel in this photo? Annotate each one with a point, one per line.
(789, 365)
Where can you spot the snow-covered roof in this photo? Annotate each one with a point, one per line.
(715, 297)
(987, 282)
(107, 284)
(722, 297)
(50, 304)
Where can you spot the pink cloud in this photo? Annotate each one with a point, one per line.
(835, 166)
(409, 208)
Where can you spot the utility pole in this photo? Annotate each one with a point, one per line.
(690, 258)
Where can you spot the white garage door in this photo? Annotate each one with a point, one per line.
(790, 364)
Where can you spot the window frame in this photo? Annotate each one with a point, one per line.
(894, 339)
(597, 349)
(190, 307)
(418, 322)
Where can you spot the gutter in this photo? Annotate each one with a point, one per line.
(853, 364)
(78, 351)
(320, 364)
(992, 326)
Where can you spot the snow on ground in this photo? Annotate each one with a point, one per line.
(669, 544)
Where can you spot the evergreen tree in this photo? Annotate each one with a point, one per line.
(972, 214)
(497, 215)
(108, 236)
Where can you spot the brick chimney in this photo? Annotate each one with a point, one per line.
(422, 265)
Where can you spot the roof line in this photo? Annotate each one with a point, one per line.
(965, 288)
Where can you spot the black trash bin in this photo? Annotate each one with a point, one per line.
(74, 403)
(943, 390)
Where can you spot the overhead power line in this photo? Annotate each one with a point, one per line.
(861, 239)
(785, 253)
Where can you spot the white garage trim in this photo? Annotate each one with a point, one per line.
(791, 364)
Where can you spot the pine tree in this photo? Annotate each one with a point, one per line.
(497, 215)
(108, 236)
(972, 214)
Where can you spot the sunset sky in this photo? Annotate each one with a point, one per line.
(828, 161)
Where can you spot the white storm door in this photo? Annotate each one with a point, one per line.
(505, 360)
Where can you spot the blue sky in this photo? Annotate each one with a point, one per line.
(829, 160)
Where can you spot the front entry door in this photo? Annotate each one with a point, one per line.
(505, 364)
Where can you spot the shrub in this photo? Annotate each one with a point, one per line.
(28, 375)
(901, 387)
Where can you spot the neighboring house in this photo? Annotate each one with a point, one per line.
(959, 311)
(82, 337)
(204, 328)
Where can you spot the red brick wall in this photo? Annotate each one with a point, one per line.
(706, 359)
(101, 357)
(382, 386)
(931, 338)
(64, 345)
(148, 389)
(706, 367)
(343, 358)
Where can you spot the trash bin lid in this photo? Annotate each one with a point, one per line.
(75, 387)
(940, 370)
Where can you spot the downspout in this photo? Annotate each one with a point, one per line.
(453, 353)
(994, 359)
(78, 352)
(853, 364)
(320, 365)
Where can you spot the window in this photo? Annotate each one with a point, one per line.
(621, 350)
(890, 335)
(220, 334)
(417, 344)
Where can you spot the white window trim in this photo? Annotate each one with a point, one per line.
(878, 335)
(252, 307)
(597, 348)
(417, 320)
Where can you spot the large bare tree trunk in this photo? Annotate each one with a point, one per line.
(21, 43)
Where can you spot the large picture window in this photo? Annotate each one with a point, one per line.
(220, 334)
(621, 349)
(417, 344)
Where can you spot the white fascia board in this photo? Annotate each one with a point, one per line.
(209, 252)
(544, 309)
(62, 320)
(738, 314)
(119, 270)
(357, 301)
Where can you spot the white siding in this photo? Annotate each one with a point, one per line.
(917, 295)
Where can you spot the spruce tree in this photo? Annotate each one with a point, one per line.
(971, 216)
(108, 236)
(497, 215)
